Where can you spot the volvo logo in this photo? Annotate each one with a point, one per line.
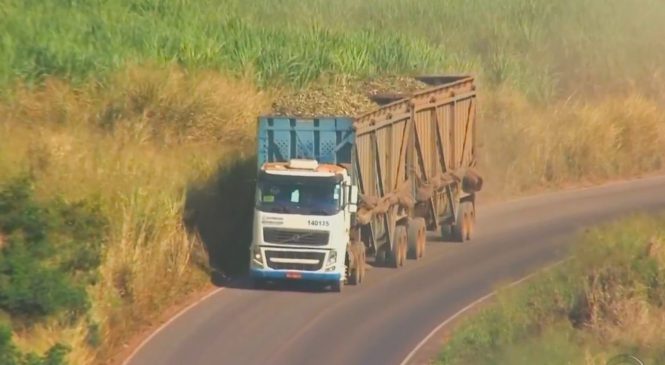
(296, 237)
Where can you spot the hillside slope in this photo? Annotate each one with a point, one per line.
(145, 110)
(607, 300)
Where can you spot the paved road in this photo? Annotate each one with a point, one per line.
(381, 321)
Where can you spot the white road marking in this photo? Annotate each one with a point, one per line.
(165, 324)
(465, 309)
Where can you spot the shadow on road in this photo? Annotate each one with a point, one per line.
(220, 212)
(436, 238)
(245, 283)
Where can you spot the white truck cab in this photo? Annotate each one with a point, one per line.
(302, 219)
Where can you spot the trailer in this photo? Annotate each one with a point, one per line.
(334, 193)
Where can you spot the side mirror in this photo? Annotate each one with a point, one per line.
(353, 199)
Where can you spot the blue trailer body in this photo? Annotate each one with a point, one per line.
(326, 139)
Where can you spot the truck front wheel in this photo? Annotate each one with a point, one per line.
(354, 276)
(337, 286)
(357, 272)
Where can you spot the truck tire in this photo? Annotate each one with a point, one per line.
(337, 286)
(459, 230)
(381, 258)
(446, 232)
(354, 276)
(400, 246)
(472, 219)
(363, 263)
(417, 238)
(357, 272)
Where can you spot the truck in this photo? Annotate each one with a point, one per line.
(336, 193)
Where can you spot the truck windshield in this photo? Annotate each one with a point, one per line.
(298, 196)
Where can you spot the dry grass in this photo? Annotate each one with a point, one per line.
(42, 336)
(607, 300)
(624, 306)
(135, 145)
(138, 141)
(526, 147)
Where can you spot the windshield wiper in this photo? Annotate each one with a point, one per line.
(319, 212)
(277, 208)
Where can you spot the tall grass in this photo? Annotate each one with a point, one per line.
(545, 49)
(526, 147)
(134, 147)
(76, 40)
(607, 300)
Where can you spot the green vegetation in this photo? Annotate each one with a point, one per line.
(9, 355)
(545, 48)
(49, 252)
(608, 299)
(128, 114)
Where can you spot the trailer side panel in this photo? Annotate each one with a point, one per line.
(421, 140)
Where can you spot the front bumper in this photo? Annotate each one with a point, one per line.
(289, 275)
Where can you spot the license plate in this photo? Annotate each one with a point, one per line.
(293, 275)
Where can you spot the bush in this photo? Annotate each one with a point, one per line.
(9, 355)
(29, 288)
(46, 248)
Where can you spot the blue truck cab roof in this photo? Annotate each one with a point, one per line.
(328, 140)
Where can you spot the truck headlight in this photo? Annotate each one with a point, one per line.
(256, 254)
(332, 258)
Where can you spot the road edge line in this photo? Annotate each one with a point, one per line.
(573, 189)
(470, 306)
(154, 333)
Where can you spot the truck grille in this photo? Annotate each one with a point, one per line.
(295, 237)
(279, 260)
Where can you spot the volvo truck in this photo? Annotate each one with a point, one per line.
(334, 193)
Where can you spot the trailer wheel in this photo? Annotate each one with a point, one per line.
(363, 264)
(417, 237)
(472, 219)
(459, 230)
(446, 232)
(400, 246)
(381, 258)
(404, 246)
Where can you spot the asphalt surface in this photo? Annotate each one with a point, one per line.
(382, 320)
